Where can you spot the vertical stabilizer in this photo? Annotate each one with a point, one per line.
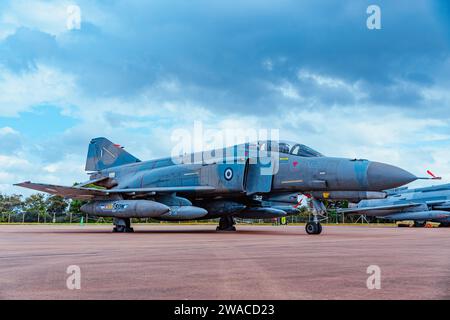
(103, 154)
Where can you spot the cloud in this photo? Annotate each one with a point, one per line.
(50, 17)
(138, 70)
(227, 62)
(10, 140)
(43, 85)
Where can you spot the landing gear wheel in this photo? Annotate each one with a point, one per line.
(122, 229)
(418, 224)
(313, 228)
(319, 226)
(233, 228)
(122, 225)
(226, 224)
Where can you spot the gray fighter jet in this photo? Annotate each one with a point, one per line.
(419, 205)
(250, 181)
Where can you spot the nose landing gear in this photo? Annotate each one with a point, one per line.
(319, 213)
(313, 227)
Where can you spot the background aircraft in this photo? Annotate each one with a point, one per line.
(258, 181)
(419, 205)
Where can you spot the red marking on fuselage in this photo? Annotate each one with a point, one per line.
(298, 204)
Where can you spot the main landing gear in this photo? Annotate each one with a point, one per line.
(419, 224)
(226, 224)
(122, 225)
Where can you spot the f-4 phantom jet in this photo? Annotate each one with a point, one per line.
(250, 181)
(419, 205)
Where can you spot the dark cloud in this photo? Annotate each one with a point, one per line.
(216, 51)
(20, 51)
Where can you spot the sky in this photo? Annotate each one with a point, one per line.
(135, 71)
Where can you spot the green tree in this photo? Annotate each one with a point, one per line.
(35, 207)
(74, 210)
(56, 207)
(9, 205)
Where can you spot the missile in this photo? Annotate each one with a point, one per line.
(261, 213)
(126, 209)
(283, 198)
(184, 213)
(222, 207)
(288, 209)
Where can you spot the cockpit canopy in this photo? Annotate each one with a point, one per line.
(288, 147)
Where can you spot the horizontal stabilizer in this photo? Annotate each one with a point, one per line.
(66, 192)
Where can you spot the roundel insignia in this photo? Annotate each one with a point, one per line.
(228, 174)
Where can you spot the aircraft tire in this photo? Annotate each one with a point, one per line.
(123, 229)
(226, 224)
(418, 224)
(119, 229)
(313, 228)
(319, 226)
(233, 228)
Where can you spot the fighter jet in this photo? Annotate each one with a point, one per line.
(251, 181)
(419, 205)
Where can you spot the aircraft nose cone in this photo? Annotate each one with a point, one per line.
(381, 176)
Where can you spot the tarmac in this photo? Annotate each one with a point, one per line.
(196, 262)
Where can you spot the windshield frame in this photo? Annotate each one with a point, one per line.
(288, 147)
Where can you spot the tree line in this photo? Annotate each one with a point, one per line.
(39, 208)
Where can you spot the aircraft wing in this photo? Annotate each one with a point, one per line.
(161, 189)
(90, 193)
(387, 207)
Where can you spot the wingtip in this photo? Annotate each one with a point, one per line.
(21, 183)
